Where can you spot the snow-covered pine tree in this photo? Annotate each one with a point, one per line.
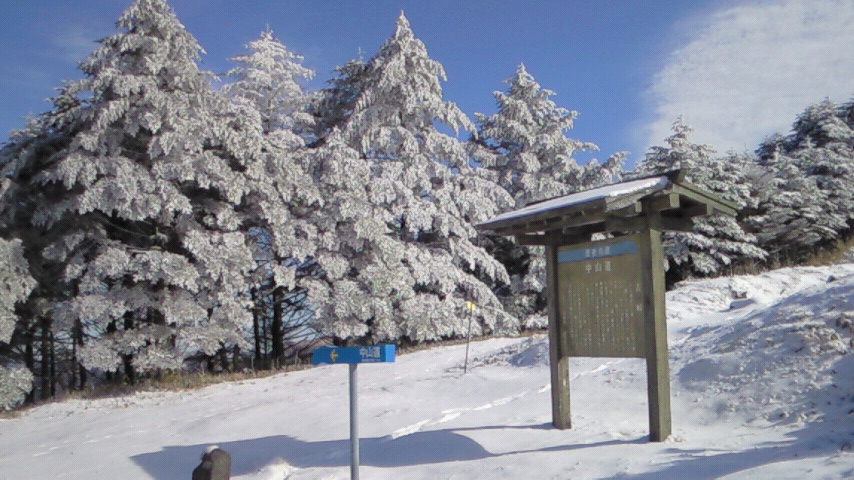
(525, 143)
(823, 143)
(818, 125)
(524, 148)
(846, 113)
(144, 206)
(810, 184)
(267, 83)
(790, 217)
(679, 153)
(15, 286)
(409, 199)
(331, 108)
(268, 78)
(23, 156)
(718, 240)
(16, 283)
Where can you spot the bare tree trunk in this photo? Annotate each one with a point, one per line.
(77, 370)
(223, 359)
(29, 358)
(256, 327)
(44, 358)
(109, 376)
(265, 352)
(130, 371)
(73, 383)
(277, 333)
(83, 377)
(52, 365)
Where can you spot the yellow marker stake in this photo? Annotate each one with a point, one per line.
(333, 355)
(470, 307)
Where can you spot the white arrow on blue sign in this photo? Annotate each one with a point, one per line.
(353, 355)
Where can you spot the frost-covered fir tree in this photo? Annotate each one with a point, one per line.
(267, 83)
(823, 144)
(809, 187)
(408, 199)
(718, 240)
(335, 104)
(846, 113)
(525, 149)
(144, 207)
(790, 218)
(15, 285)
(817, 126)
(268, 78)
(24, 155)
(678, 153)
(16, 281)
(525, 144)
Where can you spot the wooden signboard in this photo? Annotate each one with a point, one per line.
(608, 301)
(601, 299)
(606, 298)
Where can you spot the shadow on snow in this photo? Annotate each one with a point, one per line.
(420, 448)
(826, 434)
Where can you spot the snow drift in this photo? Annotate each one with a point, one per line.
(762, 387)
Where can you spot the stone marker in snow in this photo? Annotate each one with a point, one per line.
(216, 465)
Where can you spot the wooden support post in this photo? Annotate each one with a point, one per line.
(558, 349)
(655, 333)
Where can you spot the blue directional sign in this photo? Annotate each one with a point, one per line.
(353, 355)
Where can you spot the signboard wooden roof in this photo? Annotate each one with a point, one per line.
(666, 199)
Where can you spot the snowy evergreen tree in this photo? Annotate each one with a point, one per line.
(24, 155)
(770, 148)
(16, 283)
(525, 144)
(718, 240)
(268, 78)
(790, 218)
(267, 84)
(144, 208)
(334, 105)
(679, 153)
(817, 126)
(824, 146)
(846, 113)
(524, 148)
(15, 383)
(808, 192)
(398, 251)
(15, 286)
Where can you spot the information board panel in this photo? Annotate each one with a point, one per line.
(601, 299)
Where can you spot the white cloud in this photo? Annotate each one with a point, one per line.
(73, 43)
(747, 71)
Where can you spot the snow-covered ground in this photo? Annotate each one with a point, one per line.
(762, 388)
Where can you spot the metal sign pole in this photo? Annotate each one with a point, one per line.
(354, 423)
(353, 356)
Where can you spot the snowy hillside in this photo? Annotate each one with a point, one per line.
(762, 388)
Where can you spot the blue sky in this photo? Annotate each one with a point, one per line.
(737, 70)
